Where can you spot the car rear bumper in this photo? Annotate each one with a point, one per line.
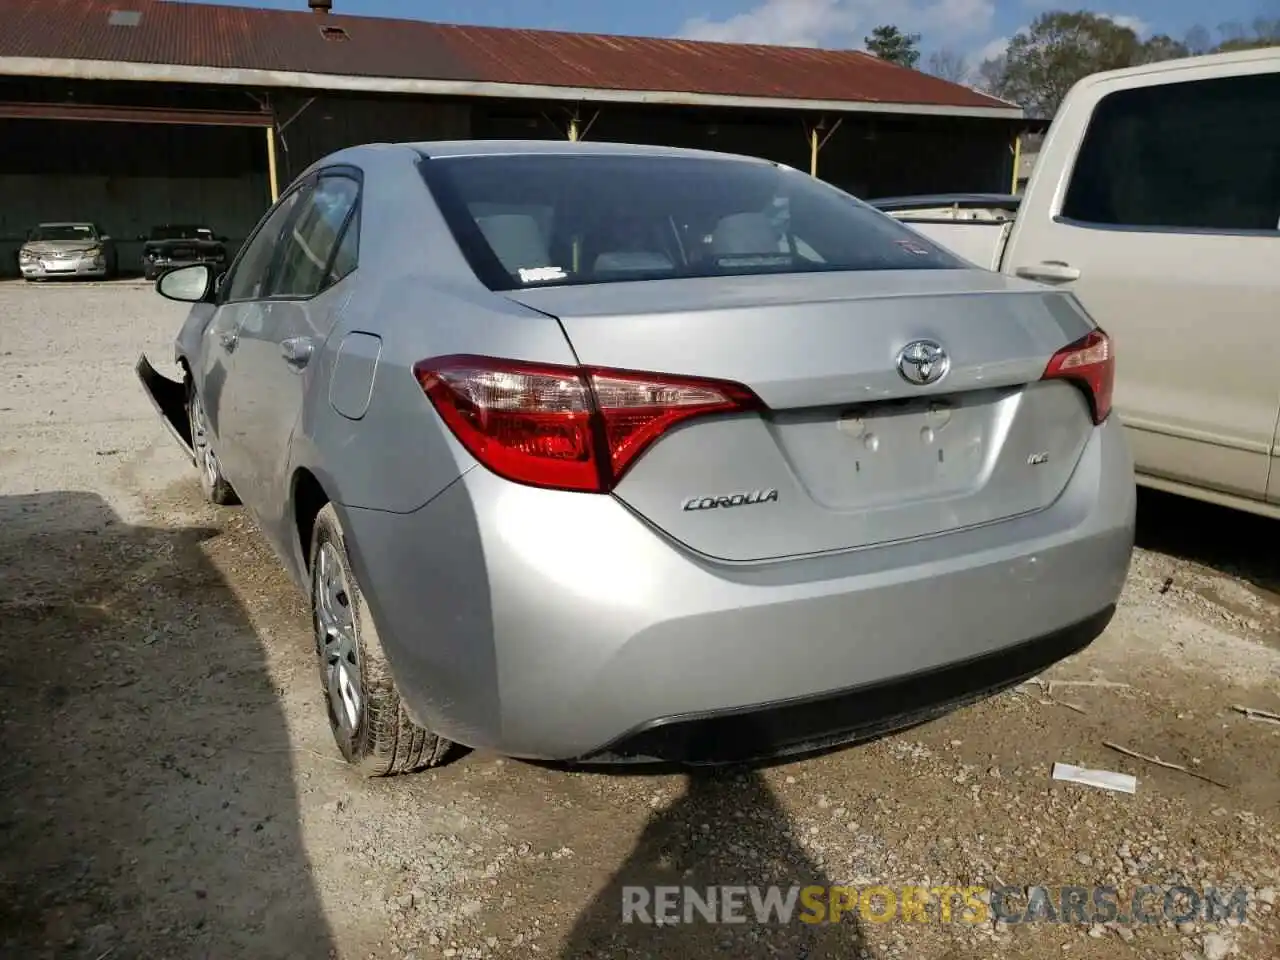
(560, 626)
(862, 712)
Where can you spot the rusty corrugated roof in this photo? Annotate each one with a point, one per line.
(727, 69)
(206, 35)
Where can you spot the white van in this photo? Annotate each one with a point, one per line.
(1156, 200)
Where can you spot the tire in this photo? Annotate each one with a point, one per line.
(215, 487)
(368, 720)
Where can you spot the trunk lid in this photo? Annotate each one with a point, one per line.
(851, 454)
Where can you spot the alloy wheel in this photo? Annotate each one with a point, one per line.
(337, 641)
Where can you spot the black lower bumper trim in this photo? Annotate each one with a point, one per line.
(170, 401)
(862, 713)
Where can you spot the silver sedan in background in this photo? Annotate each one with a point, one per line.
(600, 452)
(67, 250)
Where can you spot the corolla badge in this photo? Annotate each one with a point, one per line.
(733, 500)
(923, 362)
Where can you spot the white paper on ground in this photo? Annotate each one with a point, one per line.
(1106, 779)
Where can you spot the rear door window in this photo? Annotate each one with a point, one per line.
(250, 274)
(313, 236)
(534, 219)
(347, 256)
(1196, 155)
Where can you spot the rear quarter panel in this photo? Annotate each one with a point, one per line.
(415, 294)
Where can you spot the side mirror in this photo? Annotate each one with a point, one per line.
(104, 238)
(192, 284)
(222, 239)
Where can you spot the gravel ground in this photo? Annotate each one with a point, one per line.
(170, 788)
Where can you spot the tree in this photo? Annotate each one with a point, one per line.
(1199, 41)
(1059, 48)
(989, 77)
(1162, 47)
(889, 43)
(948, 65)
(1261, 33)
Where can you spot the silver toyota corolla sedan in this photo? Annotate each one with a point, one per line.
(618, 453)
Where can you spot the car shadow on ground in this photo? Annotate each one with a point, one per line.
(1230, 541)
(727, 829)
(141, 814)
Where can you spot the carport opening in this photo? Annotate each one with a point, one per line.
(127, 178)
(309, 499)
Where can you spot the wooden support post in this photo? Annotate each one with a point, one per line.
(1017, 161)
(272, 172)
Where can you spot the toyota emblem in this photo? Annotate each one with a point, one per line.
(923, 362)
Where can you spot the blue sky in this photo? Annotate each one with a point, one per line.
(970, 27)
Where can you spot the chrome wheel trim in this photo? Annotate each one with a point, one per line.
(206, 459)
(336, 638)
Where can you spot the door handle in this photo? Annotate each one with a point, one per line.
(1049, 271)
(297, 351)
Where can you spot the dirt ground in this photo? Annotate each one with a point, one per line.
(169, 787)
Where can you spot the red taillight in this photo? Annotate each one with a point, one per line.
(569, 428)
(1091, 363)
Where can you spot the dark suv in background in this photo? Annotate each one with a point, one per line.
(180, 245)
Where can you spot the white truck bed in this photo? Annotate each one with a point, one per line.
(974, 227)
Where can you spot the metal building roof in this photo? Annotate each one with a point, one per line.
(205, 43)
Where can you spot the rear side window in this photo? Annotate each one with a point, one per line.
(536, 219)
(1203, 154)
(250, 274)
(313, 236)
(348, 252)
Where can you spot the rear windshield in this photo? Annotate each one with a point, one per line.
(50, 233)
(181, 232)
(536, 219)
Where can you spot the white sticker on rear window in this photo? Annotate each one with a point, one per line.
(541, 274)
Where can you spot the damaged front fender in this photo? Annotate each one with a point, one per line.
(169, 397)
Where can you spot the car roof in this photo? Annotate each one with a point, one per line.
(1263, 54)
(497, 148)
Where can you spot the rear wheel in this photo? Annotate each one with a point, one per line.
(216, 488)
(366, 715)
